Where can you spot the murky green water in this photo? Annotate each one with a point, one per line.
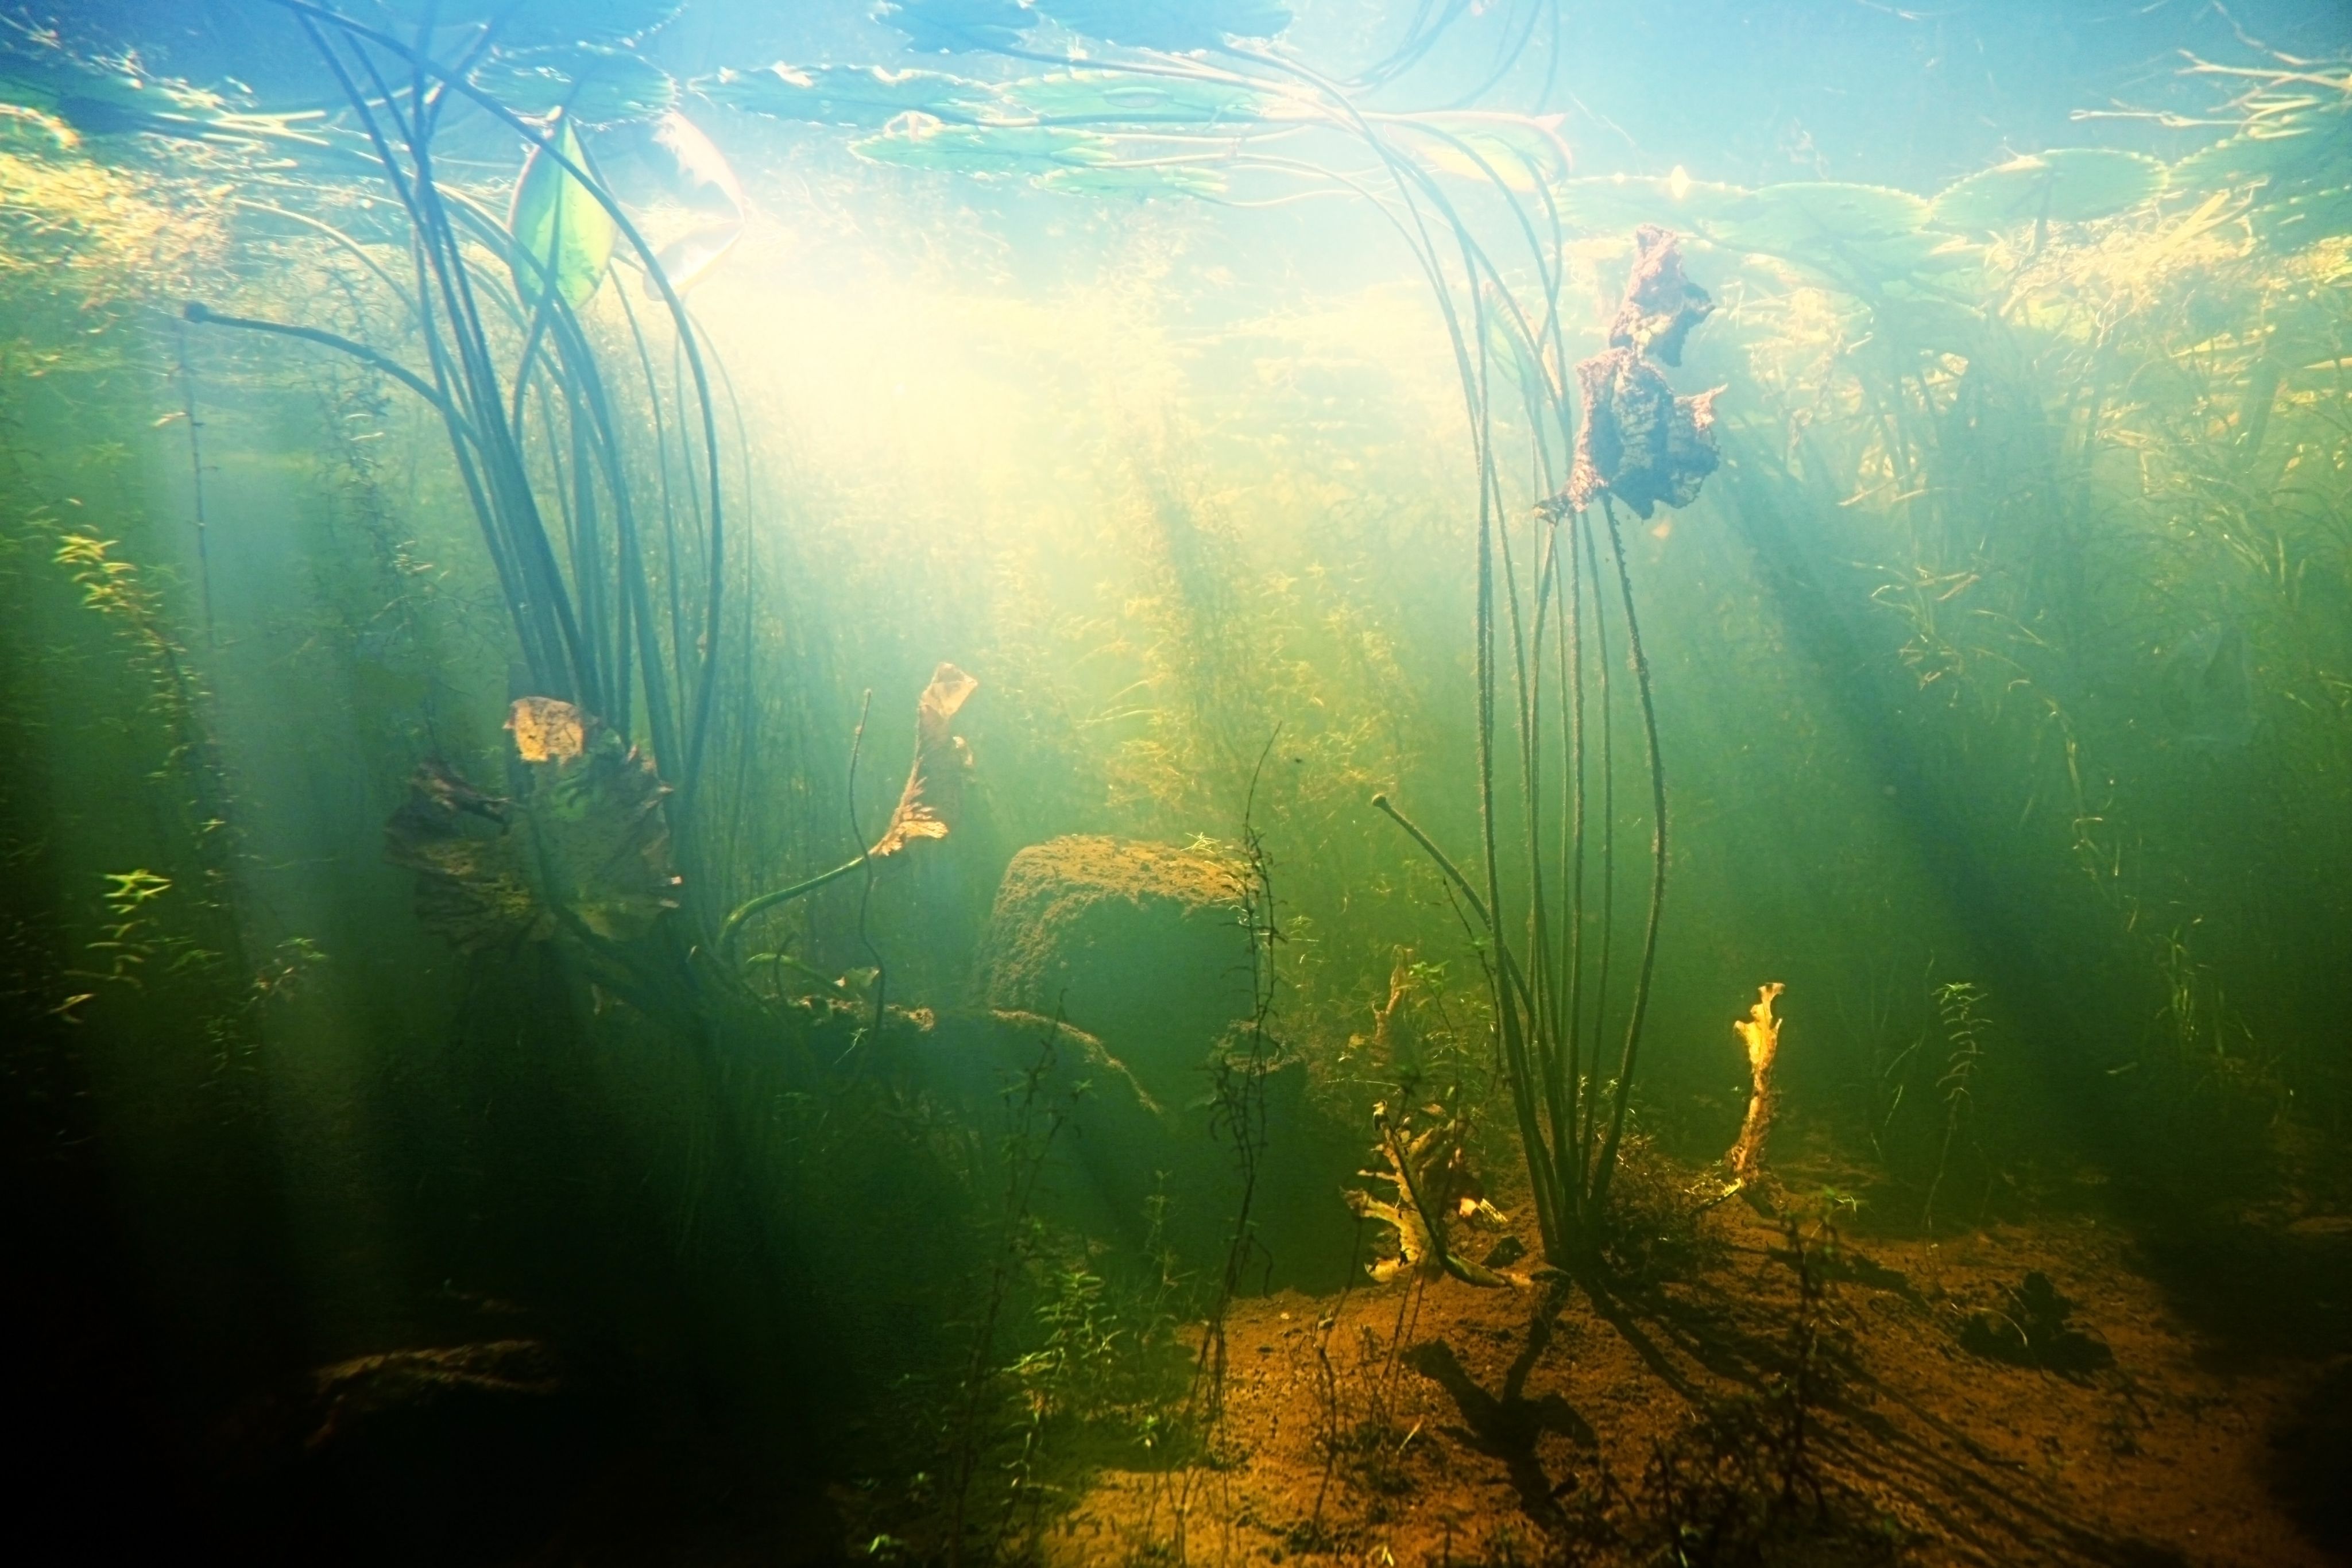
(764, 764)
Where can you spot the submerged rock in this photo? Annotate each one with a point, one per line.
(1139, 944)
(465, 1453)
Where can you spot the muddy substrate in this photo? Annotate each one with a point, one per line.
(2006, 1394)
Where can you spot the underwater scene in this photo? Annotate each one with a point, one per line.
(1415, 783)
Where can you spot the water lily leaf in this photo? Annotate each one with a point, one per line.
(1136, 179)
(110, 95)
(916, 142)
(1609, 204)
(2300, 220)
(560, 231)
(1929, 321)
(958, 26)
(2304, 151)
(1171, 24)
(1808, 215)
(2299, 164)
(1120, 98)
(591, 86)
(544, 23)
(2072, 184)
(863, 98)
(933, 796)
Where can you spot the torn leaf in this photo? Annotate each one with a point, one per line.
(933, 796)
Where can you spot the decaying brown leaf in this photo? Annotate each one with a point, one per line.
(1660, 304)
(546, 729)
(1636, 439)
(581, 848)
(471, 886)
(933, 796)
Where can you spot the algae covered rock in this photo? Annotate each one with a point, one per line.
(1139, 944)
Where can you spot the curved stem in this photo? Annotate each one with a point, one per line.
(733, 925)
(1657, 864)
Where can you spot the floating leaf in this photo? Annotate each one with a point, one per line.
(2299, 165)
(930, 803)
(560, 231)
(2303, 153)
(1808, 215)
(958, 26)
(863, 98)
(589, 86)
(1136, 179)
(1610, 204)
(1171, 24)
(1121, 98)
(110, 96)
(2300, 220)
(1859, 239)
(920, 143)
(1919, 320)
(2071, 184)
(541, 24)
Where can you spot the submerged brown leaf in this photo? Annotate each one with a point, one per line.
(1636, 439)
(933, 796)
(546, 729)
(581, 848)
(471, 887)
(1661, 306)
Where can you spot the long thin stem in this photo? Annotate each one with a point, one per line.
(1657, 862)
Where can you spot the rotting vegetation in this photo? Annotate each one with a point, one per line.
(2030, 538)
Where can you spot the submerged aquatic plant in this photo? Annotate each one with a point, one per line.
(614, 588)
(1429, 1172)
(928, 806)
(1759, 1031)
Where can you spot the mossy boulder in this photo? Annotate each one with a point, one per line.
(1141, 946)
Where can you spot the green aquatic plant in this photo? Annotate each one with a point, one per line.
(1555, 599)
(1959, 1009)
(590, 567)
(928, 806)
